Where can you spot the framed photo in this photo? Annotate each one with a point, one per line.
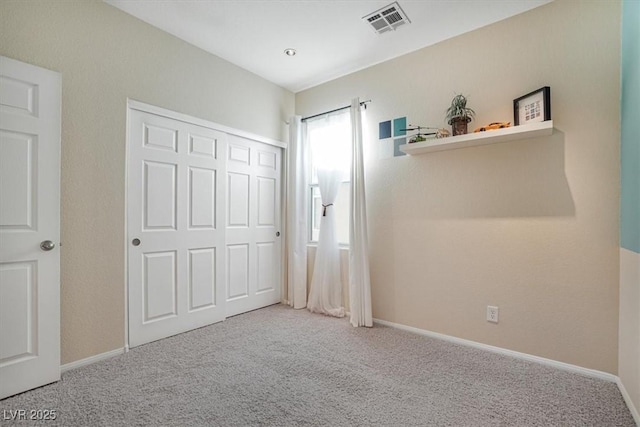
(532, 107)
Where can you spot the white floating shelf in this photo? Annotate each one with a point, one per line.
(514, 133)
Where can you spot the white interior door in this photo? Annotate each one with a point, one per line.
(254, 251)
(176, 252)
(29, 226)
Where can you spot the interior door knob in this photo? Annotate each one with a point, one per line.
(47, 245)
(135, 242)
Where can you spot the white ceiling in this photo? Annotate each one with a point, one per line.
(330, 36)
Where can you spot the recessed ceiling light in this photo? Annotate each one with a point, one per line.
(290, 52)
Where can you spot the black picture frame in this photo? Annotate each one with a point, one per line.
(532, 107)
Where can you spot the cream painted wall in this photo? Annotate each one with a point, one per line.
(629, 359)
(530, 226)
(105, 56)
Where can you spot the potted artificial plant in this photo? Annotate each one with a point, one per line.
(458, 115)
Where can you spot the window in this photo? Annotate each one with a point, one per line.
(341, 210)
(329, 139)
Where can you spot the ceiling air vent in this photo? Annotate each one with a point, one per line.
(387, 19)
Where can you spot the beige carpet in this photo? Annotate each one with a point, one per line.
(284, 367)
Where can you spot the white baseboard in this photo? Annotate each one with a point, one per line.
(629, 402)
(93, 359)
(529, 357)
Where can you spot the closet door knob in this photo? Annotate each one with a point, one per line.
(47, 245)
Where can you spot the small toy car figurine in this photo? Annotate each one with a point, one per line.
(494, 125)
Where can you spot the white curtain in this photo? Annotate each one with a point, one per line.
(359, 279)
(297, 204)
(325, 295)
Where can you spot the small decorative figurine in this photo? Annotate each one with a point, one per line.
(442, 133)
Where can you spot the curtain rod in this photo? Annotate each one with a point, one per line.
(333, 111)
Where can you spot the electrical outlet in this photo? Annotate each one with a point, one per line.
(492, 314)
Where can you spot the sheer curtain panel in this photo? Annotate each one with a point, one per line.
(359, 279)
(297, 214)
(329, 142)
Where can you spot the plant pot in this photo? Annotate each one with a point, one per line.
(459, 125)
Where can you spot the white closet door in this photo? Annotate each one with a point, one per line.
(29, 226)
(176, 219)
(254, 251)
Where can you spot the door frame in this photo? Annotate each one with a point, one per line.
(133, 104)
